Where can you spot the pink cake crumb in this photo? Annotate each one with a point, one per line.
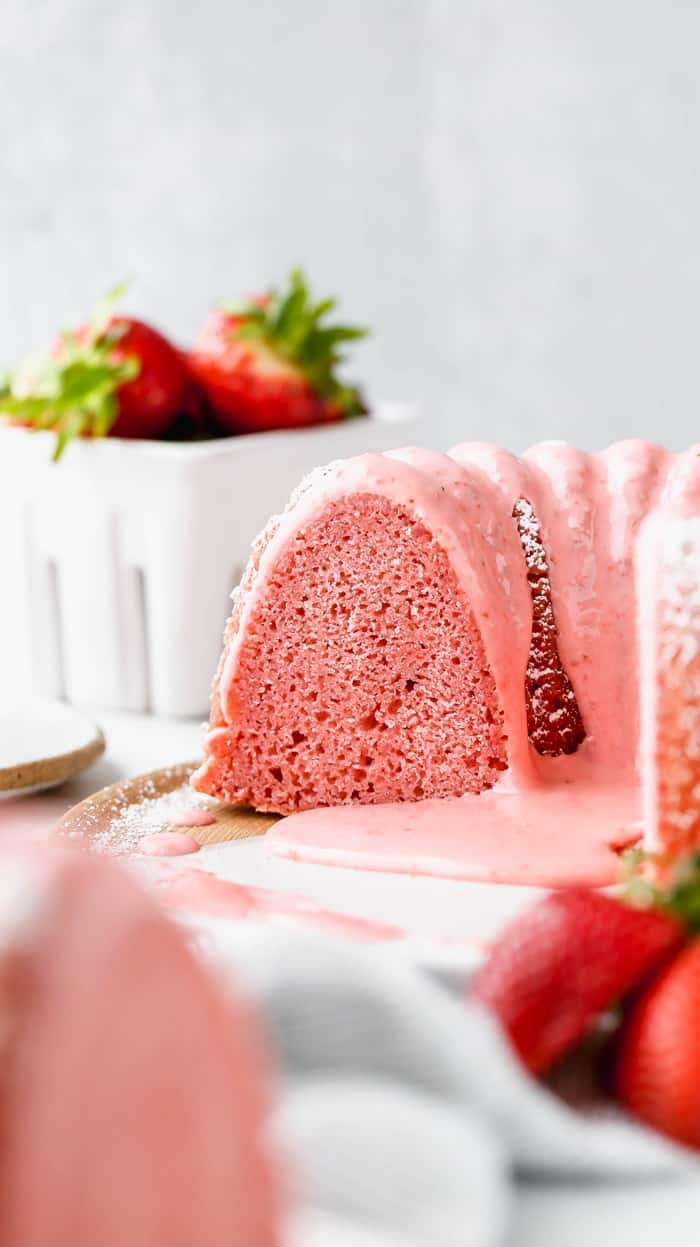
(349, 688)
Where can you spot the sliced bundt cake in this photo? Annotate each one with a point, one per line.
(420, 625)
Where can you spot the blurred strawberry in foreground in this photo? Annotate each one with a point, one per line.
(270, 362)
(658, 1069)
(113, 375)
(561, 964)
(577, 953)
(658, 1066)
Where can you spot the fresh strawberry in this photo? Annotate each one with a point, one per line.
(658, 1064)
(270, 363)
(113, 375)
(195, 420)
(561, 964)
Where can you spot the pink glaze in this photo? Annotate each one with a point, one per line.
(590, 508)
(547, 820)
(194, 816)
(670, 653)
(552, 835)
(133, 1094)
(198, 891)
(167, 844)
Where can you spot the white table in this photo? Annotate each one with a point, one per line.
(638, 1214)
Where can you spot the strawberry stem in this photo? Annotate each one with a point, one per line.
(294, 327)
(653, 883)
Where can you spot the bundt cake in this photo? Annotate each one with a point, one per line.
(132, 1094)
(420, 626)
(669, 589)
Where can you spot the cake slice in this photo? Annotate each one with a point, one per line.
(376, 644)
(669, 579)
(131, 1101)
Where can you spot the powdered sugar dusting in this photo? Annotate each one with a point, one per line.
(118, 826)
(677, 720)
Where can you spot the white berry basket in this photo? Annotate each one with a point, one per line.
(117, 563)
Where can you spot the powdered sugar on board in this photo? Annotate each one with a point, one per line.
(145, 818)
(118, 819)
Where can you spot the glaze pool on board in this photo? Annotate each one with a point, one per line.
(167, 844)
(553, 835)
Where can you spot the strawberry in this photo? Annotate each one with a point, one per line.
(270, 362)
(113, 375)
(556, 968)
(658, 1065)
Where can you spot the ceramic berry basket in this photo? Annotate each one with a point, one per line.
(118, 562)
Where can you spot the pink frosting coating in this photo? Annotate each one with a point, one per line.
(670, 667)
(552, 835)
(193, 816)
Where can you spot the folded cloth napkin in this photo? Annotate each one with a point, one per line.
(403, 1115)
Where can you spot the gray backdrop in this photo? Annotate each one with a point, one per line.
(508, 191)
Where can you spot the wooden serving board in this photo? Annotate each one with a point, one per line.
(115, 818)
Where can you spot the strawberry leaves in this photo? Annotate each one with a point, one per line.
(673, 889)
(294, 327)
(72, 388)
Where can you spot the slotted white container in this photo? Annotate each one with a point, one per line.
(118, 562)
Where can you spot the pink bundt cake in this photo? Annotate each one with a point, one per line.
(421, 625)
(131, 1093)
(670, 671)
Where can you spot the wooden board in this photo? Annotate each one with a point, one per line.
(109, 819)
(49, 772)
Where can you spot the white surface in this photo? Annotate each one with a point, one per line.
(568, 1214)
(505, 190)
(119, 561)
